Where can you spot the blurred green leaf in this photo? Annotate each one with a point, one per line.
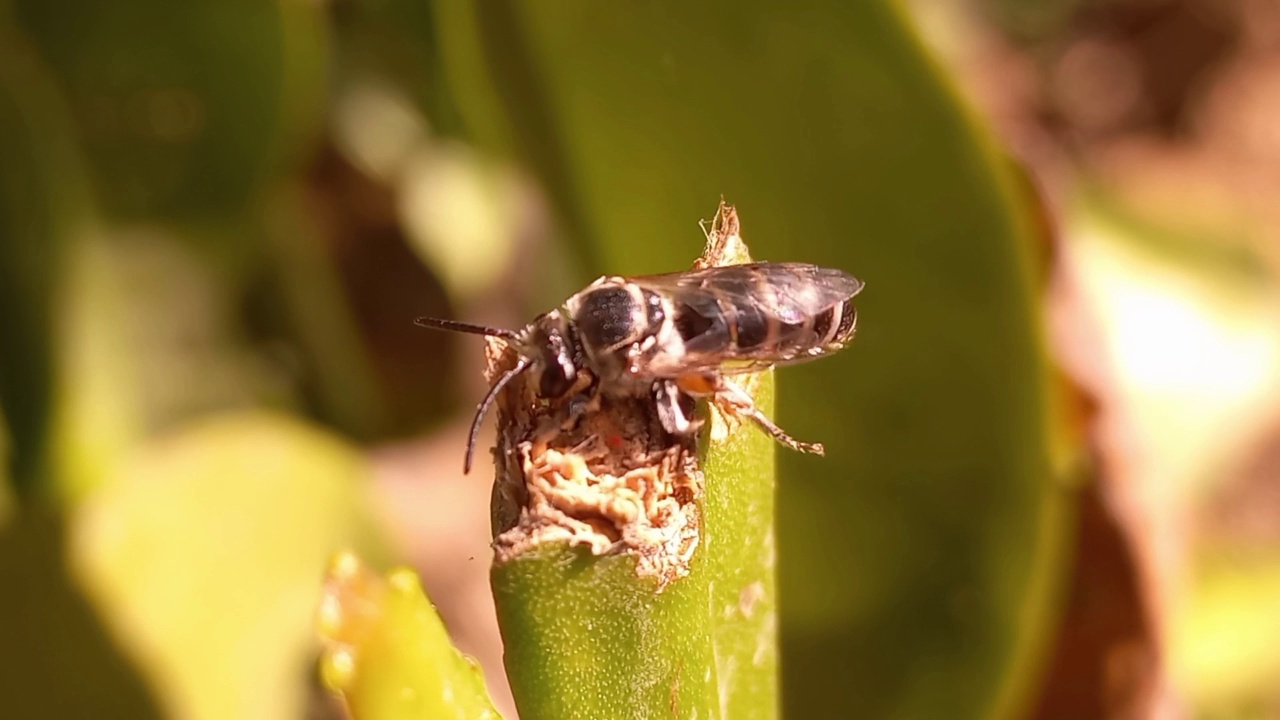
(396, 41)
(310, 307)
(388, 653)
(44, 205)
(182, 112)
(149, 337)
(916, 557)
(6, 488)
(101, 408)
(206, 553)
(185, 109)
(57, 659)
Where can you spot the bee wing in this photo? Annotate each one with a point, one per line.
(798, 286)
(745, 318)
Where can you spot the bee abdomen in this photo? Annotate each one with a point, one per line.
(839, 321)
(829, 330)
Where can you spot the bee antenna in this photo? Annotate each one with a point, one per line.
(455, 326)
(521, 365)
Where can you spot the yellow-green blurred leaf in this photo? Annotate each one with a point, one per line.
(1223, 640)
(147, 339)
(206, 554)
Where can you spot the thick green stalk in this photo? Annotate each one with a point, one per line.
(739, 531)
(586, 638)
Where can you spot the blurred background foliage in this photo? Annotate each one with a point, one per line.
(217, 221)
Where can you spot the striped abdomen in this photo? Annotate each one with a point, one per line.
(759, 333)
(744, 317)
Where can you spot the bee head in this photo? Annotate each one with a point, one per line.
(548, 346)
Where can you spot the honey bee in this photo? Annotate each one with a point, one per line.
(678, 337)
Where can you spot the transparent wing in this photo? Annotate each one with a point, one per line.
(795, 289)
(745, 318)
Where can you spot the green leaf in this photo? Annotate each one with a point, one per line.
(185, 110)
(44, 206)
(59, 659)
(915, 558)
(205, 554)
(388, 653)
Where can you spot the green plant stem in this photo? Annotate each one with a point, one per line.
(588, 639)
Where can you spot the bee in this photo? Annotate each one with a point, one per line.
(678, 337)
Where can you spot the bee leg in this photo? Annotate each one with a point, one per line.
(675, 408)
(729, 393)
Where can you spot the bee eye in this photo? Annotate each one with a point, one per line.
(556, 380)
